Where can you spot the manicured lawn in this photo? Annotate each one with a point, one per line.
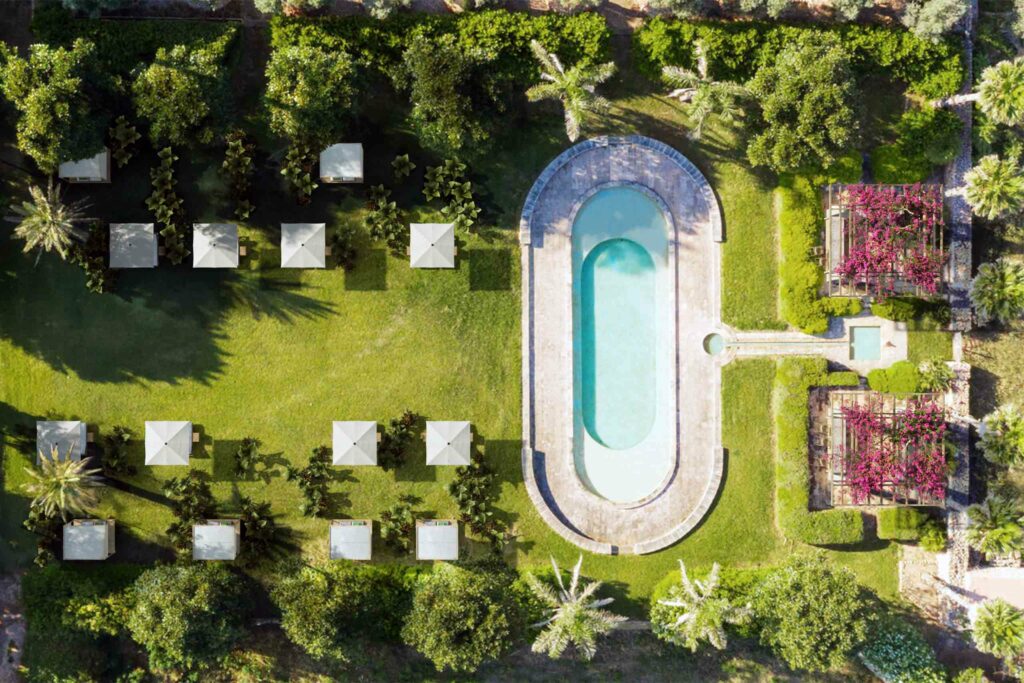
(925, 345)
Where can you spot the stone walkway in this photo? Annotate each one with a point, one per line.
(549, 423)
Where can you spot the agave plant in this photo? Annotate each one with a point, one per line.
(999, 630)
(63, 487)
(692, 613)
(574, 616)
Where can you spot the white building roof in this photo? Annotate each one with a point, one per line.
(214, 245)
(132, 245)
(437, 539)
(355, 443)
(432, 245)
(351, 539)
(303, 245)
(95, 168)
(342, 162)
(217, 539)
(168, 442)
(448, 443)
(68, 436)
(88, 539)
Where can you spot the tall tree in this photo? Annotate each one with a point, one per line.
(53, 93)
(63, 487)
(806, 99)
(47, 223)
(704, 97)
(309, 93)
(573, 616)
(575, 88)
(694, 612)
(1000, 94)
(999, 630)
(998, 290)
(994, 527)
(932, 19)
(995, 187)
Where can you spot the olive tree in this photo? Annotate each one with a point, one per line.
(309, 92)
(932, 19)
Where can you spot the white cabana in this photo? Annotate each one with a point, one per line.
(355, 443)
(89, 539)
(132, 245)
(303, 245)
(214, 245)
(95, 169)
(216, 539)
(448, 443)
(168, 442)
(342, 163)
(69, 437)
(437, 539)
(351, 539)
(432, 245)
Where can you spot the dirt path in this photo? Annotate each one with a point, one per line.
(12, 627)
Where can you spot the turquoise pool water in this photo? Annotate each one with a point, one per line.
(865, 343)
(623, 344)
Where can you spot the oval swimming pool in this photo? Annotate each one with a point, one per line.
(623, 344)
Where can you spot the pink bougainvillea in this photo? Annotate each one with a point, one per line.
(890, 237)
(905, 450)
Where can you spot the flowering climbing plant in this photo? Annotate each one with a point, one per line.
(905, 450)
(892, 236)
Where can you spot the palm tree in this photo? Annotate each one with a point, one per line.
(573, 88)
(47, 223)
(994, 526)
(999, 630)
(693, 613)
(573, 617)
(1002, 436)
(1000, 93)
(62, 487)
(702, 95)
(995, 187)
(998, 290)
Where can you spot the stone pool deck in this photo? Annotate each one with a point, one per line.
(549, 468)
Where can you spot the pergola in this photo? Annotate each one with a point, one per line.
(883, 240)
(887, 444)
(342, 163)
(94, 169)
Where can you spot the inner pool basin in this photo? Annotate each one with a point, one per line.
(865, 343)
(622, 345)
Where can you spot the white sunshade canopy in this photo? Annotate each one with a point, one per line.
(88, 539)
(303, 245)
(437, 539)
(342, 162)
(215, 540)
(132, 245)
(351, 539)
(168, 443)
(448, 443)
(68, 436)
(93, 169)
(214, 245)
(355, 443)
(432, 245)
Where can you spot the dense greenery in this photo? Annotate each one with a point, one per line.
(793, 378)
(997, 290)
(907, 308)
(897, 651)
(313, 481)
(902, 377)
(1002, 436)
(901, 523)
(192, 503)
(309, 93)
(694, 611)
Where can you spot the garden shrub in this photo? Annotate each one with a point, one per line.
(115, 456)
(462, 618)
(901, 523)
(473, 490)
(247, 455)
(896, 652)
(891, 165)
(122, 136)
(313, 480)
(793, 379)
(736, 50)
(845, 378)
(168, 207)
(397, 525)
(906, 308)
(309, 93)
(933, 133)
(395, 441)
(191, 502)
(92, 257)
(933, 536)
(902, 377)
(298, 170)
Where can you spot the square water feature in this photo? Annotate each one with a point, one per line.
(865, 343)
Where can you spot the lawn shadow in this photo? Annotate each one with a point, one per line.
(490, 270)
(277, 293)
(129, 546)
(415, 467)
(369, 273)
(984, 391)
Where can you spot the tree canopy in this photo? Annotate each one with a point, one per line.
(309, 92)
(52, 90)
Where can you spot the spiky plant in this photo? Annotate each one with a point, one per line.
(995, 187)
(692, 612)
(994, 526)
(574, 88)
(47, 223)
(704, 97)
(1002, 436)
(574, 617)
(999, 630)
(997, 291)
(62, 487)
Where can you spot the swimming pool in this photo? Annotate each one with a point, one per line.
(865, 343)
(622, 344)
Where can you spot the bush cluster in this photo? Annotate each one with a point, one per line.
(168, 207)
(122, 136)
(896, 651)
(474, 492)
(238, 168)
(448, 183)
(115, 456)
(902, 377)
(906, 308)
(91, 256)
(793, 379)
(313, 481)
(397, 525)
(736, 50)
(297, 169)
(901, 523)
(191, 502)
(383, 219)
(395, 440)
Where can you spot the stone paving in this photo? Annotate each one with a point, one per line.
(549, 420)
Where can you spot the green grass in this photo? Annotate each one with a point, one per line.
(925, 345)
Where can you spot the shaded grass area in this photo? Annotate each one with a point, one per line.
(925, 345)
(996, 360)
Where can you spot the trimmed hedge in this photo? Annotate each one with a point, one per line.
(737, 49)
(906, 308)
(902, 377)
(901, 523)
(846, 378)
(892, 166)
(793, 379)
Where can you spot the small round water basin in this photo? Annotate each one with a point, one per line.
(714, 344)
